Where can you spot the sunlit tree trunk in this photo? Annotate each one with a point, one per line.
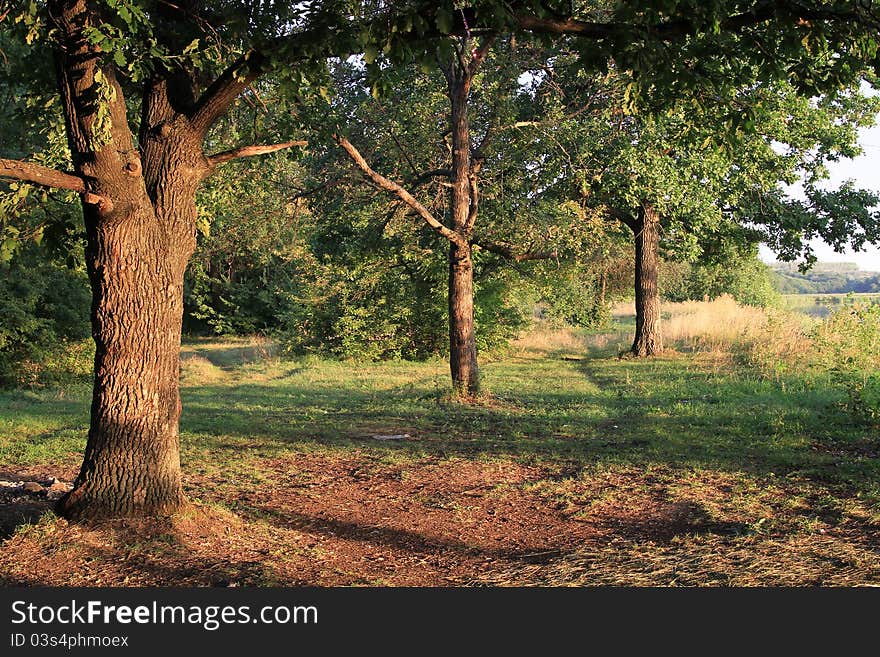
(646, 231)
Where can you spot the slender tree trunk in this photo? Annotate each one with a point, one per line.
(462, 332)
(647, 241)
(462, 340)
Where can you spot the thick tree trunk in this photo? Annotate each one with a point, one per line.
(647, 241)
(131, 464)
(462, 337)
(463, 208)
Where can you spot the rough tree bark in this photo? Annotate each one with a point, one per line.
(646, 230)
(138, 245)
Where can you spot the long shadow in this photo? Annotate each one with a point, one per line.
(685, 517)
(611, 424)
(401, 539)
(166, 563)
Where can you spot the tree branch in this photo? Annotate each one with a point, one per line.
(250, 151)
(480, 54)
(312, 42)
(625, 218)
(422, 178)
(510, 253)
(217, 98)
(37, 174)
(474, 205)
(389, 186)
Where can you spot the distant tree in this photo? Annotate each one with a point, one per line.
(690, 176)
(460, 59)
(738, 273)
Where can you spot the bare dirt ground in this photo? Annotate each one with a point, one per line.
(338, 521)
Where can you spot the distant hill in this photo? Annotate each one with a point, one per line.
(823, 278)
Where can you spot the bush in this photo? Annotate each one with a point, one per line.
(43, 312)
(848, 346)
(379, 309)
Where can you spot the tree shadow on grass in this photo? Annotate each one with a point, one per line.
(758, 431)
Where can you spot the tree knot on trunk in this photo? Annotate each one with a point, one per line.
(163, 130)
(132, 166)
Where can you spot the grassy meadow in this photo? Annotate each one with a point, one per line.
(731, 459)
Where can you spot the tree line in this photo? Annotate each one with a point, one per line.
(467, 142)
(825, 278)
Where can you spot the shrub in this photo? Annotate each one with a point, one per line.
(43, 313)
(848, 346)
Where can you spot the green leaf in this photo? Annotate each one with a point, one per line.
(204, 226)
(7, 249)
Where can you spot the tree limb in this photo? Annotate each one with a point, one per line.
(250, 151)
(480, 54)
(761, 12)
(309, 43)
(422, 178)
(389, 186)
(474, 205)
(626, 218)
(217, 98)
(37, 174)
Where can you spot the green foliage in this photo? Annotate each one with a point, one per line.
(848, 346)
(742, 276)
(385, 298)
(252, 261)
(43, 317)
(581, 293)
(367, 308)
(385, 291)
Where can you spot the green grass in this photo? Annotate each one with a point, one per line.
(597, 412)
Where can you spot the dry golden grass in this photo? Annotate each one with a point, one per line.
(543, 341)
(710, 325)
(772, 341)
